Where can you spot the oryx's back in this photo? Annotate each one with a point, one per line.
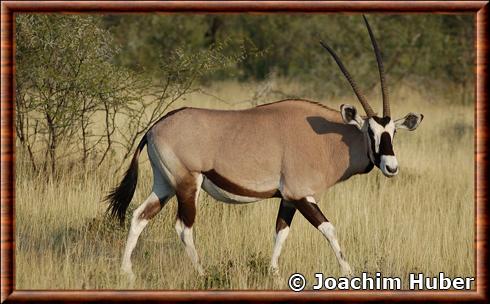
(203, 135)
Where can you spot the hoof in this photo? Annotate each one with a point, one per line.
(129, 274)
(200, 271)
(347, 272)
(274, 271)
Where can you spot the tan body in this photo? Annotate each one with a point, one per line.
(257, 149)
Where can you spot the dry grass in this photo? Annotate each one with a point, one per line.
(420, 221)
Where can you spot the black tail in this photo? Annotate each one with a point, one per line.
(120, 197)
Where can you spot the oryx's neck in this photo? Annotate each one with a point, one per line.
(359, 159)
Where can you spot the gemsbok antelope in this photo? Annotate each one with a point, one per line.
(291, 149)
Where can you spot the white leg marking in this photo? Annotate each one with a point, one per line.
(279, 241)
(328, 231)
(137, 226)
(185, 234)
(179, 228)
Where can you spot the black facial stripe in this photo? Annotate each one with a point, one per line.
(383, 121)
(377, 158)
(385, 146)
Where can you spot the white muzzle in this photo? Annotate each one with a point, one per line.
(389, 165)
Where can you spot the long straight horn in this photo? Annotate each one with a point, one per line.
(353, 84)
(384, 89)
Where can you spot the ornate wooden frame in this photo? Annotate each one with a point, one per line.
(9, 8)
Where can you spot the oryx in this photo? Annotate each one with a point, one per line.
(291, 149)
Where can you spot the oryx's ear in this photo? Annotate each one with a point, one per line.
(410, 122)
(350, 116)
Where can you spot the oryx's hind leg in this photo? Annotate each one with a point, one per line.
(159, 196)
(187, 195)
(283, 222)
(309, 209)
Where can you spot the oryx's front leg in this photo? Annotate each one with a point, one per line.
(309, 209)
(187, 196)
(283, 222)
